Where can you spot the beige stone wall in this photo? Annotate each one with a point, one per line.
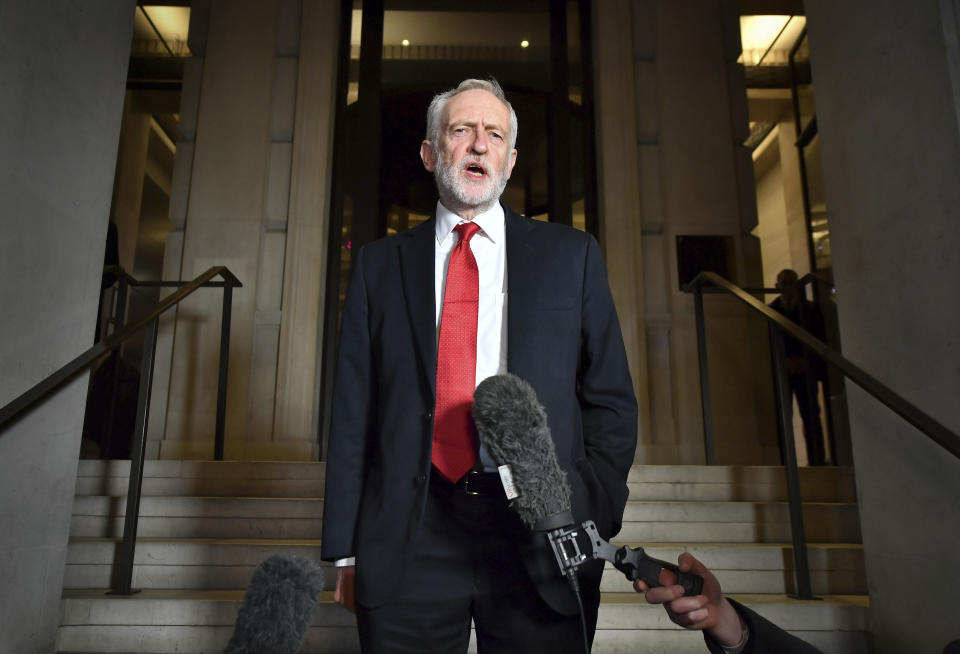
(887, 110)
(250, 192)
(781, 227)
(771, 227)
(62, 76)
(682, 172)
(620, 198)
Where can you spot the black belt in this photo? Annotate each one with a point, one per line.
(475, 483)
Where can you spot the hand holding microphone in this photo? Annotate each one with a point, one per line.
(708, 611)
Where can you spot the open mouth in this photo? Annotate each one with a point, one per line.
(475, 170)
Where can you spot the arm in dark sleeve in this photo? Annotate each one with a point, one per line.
(765, 637)
(352, 420)
(607, 400)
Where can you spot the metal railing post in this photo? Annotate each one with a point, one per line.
(222, 378)
(704, 375)
(800, 564)
(119, 312)
(124, 569)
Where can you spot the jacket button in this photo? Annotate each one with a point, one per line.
(419, 480)
(428, 415)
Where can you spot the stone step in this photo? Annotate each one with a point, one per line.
(202, 507)
(187, 622)
(201, 564)
(205, 525)
(200, 517)
(726, 483)
(811, 489)
(669, 512)
(254, 517)
(755, 568)
(835, 624)
(208, 564)
(737, 522)
(306, 479)
(205, 478)
(719, 474)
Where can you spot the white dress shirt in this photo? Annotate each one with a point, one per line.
(489, 249)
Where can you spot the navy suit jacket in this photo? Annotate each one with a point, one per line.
(563, 337)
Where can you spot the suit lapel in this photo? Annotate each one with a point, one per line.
(521, 283)
(417, 268)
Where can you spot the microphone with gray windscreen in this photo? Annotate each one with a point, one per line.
(277, 607)
(512, 426)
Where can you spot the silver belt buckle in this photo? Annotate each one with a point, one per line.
(466, 483)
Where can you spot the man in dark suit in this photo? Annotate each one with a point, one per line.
(804, 371)
(415, 515)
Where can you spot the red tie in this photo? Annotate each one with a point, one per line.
(454, 437)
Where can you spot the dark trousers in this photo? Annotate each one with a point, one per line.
(467, 565)
(809, 407)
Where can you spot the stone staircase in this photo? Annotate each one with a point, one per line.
(204, 526)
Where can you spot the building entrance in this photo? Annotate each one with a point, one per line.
(395, 55)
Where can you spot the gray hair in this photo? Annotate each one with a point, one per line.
(438, 106)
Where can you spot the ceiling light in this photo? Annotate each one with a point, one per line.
(173, 23)
(768, 39)
(524, 44)
(405, 42)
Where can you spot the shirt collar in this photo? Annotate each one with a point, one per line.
(491, 223)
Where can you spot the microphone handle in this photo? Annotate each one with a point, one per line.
(574, 545)
(637, 564)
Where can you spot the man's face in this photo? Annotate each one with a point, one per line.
(473, 159)
(789, 287)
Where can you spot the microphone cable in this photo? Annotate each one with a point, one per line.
(571, 576)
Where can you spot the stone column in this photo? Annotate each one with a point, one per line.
(301, 331)
(671, 165)
(887, 109)
(618, 171)
(63, 72)
(795, 226)
(223, 224)
(253, 196)
(179, 199)
(128, 184)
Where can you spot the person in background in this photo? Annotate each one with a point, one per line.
(803, 372)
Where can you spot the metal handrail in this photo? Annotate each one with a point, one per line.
(803, 281)
(906, 410)
(780, 327)
(68, 371)
(123, 571)
(813, 277)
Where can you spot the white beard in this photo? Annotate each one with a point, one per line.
(458, 193)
